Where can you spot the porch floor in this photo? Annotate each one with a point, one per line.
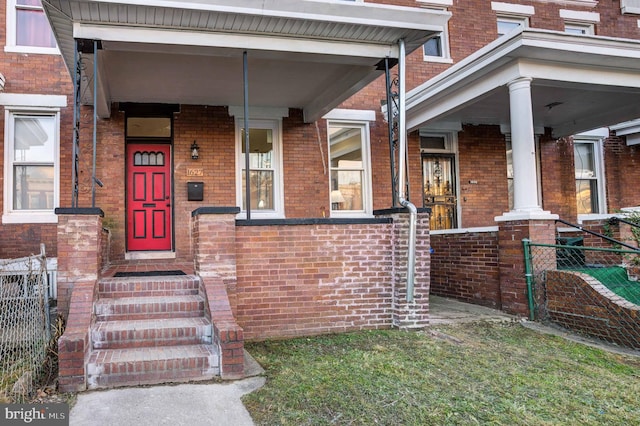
(149, 265)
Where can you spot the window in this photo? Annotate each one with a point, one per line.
(350, 168)
(436, 49)
(589, 192)
(511, 17)
(28, 29)
(577, 22)
(509, 24)
(264, 168)
(31, 166)
(578, 28)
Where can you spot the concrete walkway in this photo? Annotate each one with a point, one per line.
(443, 310)
(191, 404)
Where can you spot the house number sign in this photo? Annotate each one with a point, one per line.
(195, 172)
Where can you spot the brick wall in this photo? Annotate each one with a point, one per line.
(311, 279)
(483, 175)
(579, 302)
(464, 266)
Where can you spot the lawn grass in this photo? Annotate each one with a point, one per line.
(486, 373)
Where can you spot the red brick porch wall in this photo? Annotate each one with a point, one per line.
(312, 279)
(465, 266)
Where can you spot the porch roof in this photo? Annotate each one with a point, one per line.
(304, 54)
(579, 82)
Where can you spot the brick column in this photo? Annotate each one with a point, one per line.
(414, 314)
(214, 239)
(79, 250)
(513, 285)
(80, 247)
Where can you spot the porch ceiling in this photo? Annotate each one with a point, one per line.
(302, 53)
(578, 83)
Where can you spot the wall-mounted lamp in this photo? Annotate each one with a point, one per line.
(194, 150)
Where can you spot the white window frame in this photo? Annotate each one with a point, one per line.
(28, 216)
(523, 21)
(275, 125)
(597, 140)
(574, 19)
(445, 52)
(10, 32)
(366, 168)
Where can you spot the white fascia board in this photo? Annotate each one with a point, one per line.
(578, 16)
(575, 73)
(232, 41)
(449, 100)
(342, 12)
(627, 128)
(481, 60)
(436, 3)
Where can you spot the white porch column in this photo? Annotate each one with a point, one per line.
(523, 146)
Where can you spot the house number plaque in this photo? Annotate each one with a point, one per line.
(195, 172)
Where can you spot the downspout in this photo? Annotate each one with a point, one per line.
(245, 81)
(402, 159)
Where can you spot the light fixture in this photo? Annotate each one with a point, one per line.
(194, 150)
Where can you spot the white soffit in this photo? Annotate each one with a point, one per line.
(591, 71)
(303, 54)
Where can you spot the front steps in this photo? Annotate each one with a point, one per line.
(150, 330)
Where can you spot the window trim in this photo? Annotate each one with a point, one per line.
(367, 192)
(598, 151)
(523, 21)
(278, 170)
(445, 56)
(10, 33)
(10, 215)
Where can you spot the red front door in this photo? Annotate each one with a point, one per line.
(148, 197)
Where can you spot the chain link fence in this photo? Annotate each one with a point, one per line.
(591, 291)
(25, 331)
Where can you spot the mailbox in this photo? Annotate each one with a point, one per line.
(195, 191)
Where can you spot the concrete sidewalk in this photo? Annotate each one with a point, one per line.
(190, 404)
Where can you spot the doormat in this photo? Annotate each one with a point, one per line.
(148, 273)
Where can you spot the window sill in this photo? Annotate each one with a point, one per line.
(32, 50)
(29, 217)
(438, 59)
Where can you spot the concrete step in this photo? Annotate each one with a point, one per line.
(137, 308)
(148, 286)
(140, 366)
(149, 333)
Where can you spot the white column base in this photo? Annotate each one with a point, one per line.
(526, 215)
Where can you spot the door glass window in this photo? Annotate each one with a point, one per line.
(438, 172)
(261, 169)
